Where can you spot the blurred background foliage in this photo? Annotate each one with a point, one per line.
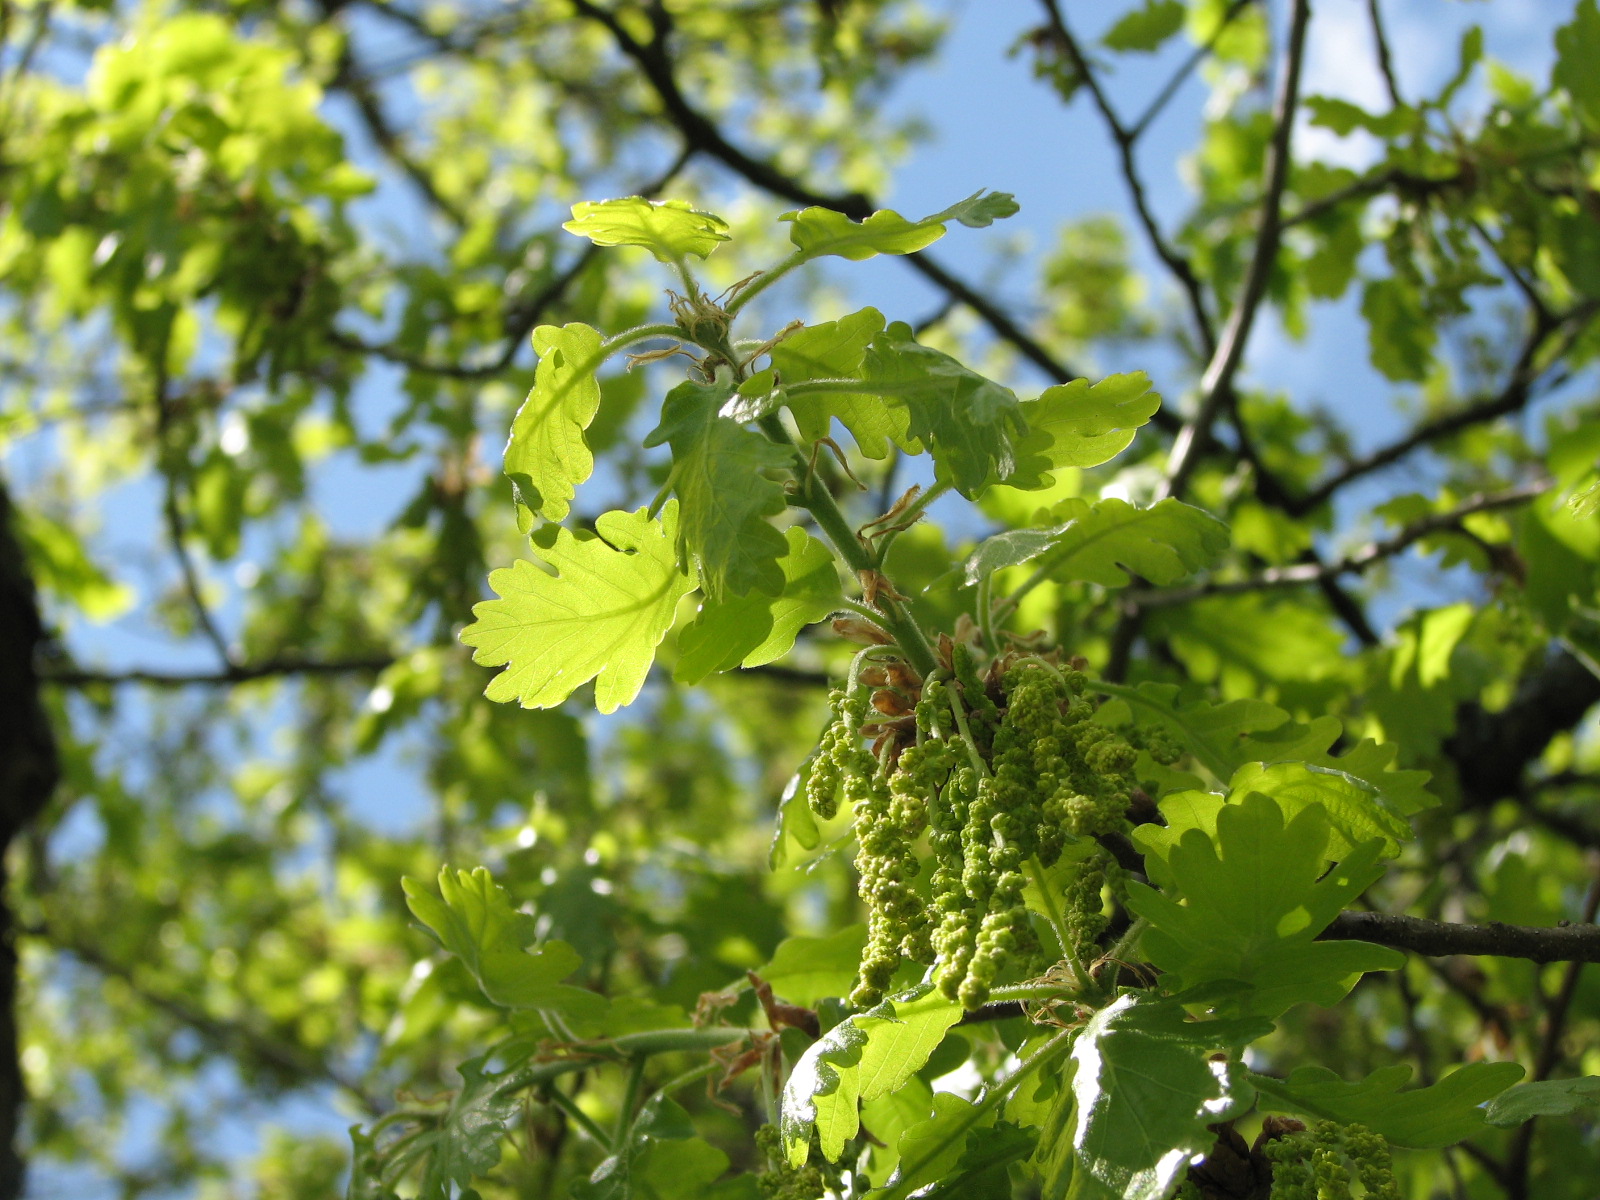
(267, 275)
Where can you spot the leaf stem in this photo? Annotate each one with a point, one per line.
(1058, 924)
(639, 333)
(819, 502)
(578, 1117)
(985, 605)
(765, 280)
(630, 1099)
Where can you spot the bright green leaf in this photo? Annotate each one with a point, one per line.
(669, 229)
(804, 970)
(1145, 29)
(718, 476)
(1401, 336)
(474, 920)
(864, 1057)
(600, 616)
(1255, 897)
(1079, 424)
(755, 629)
(1545, 1098)
(821, 231)
(1577, 51)
(968, 423)
(836, 350)
(547, 456)
(1101, 541)
(468, 1139)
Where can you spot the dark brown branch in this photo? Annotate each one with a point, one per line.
(1216, 385)
(354, 83)
(1182, 270)
(1406, 183)
(1491, 750)
(172, 511)
(1439, 939)
(72, 677)
(1385, 62)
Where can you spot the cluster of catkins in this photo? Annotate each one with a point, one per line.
(1322, 1162)
(996, 773)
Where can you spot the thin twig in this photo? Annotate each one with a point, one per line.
(1185, 69)
(701, 133)
(1385, 61)
(1216, 385)
(172, 514)
(1514, 396)
(1440, 939)
(1301, 574)
(1175, 262)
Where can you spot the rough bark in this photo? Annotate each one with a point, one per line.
(28, 773)
(1492, 750)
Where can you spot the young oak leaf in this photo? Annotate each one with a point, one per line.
(969, 424)
(867, 1056)
(1420, 1119)
(1148, 1086)
(600, 615)
(718, 476)
(816, 232)
(1080, 424)
(669, 229)
(754, 629)
(1255, 897)
(1102, 540)
(834, 351)
(1355, 810)
(547, 456)
(472, 917)
(467, 1142)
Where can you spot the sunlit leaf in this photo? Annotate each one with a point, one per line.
(861, 1058)
(547, 456)
(670, 229)
(754, 629)
(1149, 1084)
(600, 615)
(1080, 424)
(821, 231)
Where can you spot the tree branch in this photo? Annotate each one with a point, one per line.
(285, 1058)
(1439, 939)
(1216, 385)
(29, 770)
(1124, 140)
(1514, 396)
(1361, 561)
(72, 677)
(1491, 750)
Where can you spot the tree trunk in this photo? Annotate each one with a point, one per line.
(28, 774)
